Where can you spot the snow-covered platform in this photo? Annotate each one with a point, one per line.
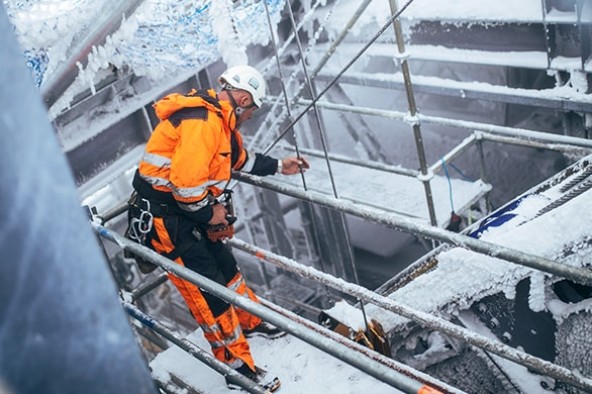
(544, 315)
(391, 192)
(300, 367)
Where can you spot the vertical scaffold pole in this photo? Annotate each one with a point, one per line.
(425, 177)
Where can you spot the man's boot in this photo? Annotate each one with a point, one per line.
(260, 376)
(265, 330)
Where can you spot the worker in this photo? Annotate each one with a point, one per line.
(180, 199)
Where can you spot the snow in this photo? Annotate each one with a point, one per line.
(468, 275)
(481, 10)
(300, 367)
(483, 275)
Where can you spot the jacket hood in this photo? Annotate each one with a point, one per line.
(174, 102)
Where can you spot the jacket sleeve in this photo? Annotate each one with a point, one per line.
(249, 162)
(263, 165)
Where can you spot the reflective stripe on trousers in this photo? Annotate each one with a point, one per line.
(238, 285)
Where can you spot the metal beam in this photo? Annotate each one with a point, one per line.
(57, 83)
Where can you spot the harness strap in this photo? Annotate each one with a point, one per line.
(179, 250)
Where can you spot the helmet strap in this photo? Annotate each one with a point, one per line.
(237, 109)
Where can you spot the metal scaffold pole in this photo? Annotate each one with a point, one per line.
(486, 128)
(423, 318)
(416, 227)
(352, 357)
(402, 56)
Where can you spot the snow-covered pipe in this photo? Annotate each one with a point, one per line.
(570, 149)
(419, 228)
(371, 367)
(551, 98)
(423, 318)
(464, 124)
(192, 349)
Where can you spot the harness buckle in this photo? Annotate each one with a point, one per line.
(139, 227)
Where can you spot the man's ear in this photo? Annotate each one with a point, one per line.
(244, 100)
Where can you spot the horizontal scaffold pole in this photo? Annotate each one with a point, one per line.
(464, 124)
(422, 229)
(350, 356)
(361, 163)
(423, 318)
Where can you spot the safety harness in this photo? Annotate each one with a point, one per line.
(141, 218)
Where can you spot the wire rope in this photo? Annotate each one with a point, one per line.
(340, 73)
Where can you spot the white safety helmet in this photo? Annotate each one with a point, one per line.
(245, 78)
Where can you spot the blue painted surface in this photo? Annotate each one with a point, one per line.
(62, 329)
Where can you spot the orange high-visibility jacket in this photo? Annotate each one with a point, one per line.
(193, 149)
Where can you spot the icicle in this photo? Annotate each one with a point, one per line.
(536, 297)
(231, 48)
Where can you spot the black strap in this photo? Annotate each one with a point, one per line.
(179, 250)
(204, 95)
(188, 113)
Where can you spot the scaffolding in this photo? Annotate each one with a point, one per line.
(326, 206)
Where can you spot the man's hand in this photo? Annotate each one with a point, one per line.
(292, 165)
(219, 215)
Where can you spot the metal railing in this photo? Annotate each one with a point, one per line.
(419, 228)
(347, 354)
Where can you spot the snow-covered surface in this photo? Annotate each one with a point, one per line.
(46, 29)
(160, 40)
(482, 10)
(300, 367)
(389, 191)
(462, 276)
(439, 53)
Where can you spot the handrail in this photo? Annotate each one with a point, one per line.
(464, 124)
(505, 351)
(419, 228)
(370, 366)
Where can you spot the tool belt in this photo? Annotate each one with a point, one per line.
(222, 232)
(155, 209)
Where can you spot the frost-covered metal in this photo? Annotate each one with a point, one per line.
(472, 81)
